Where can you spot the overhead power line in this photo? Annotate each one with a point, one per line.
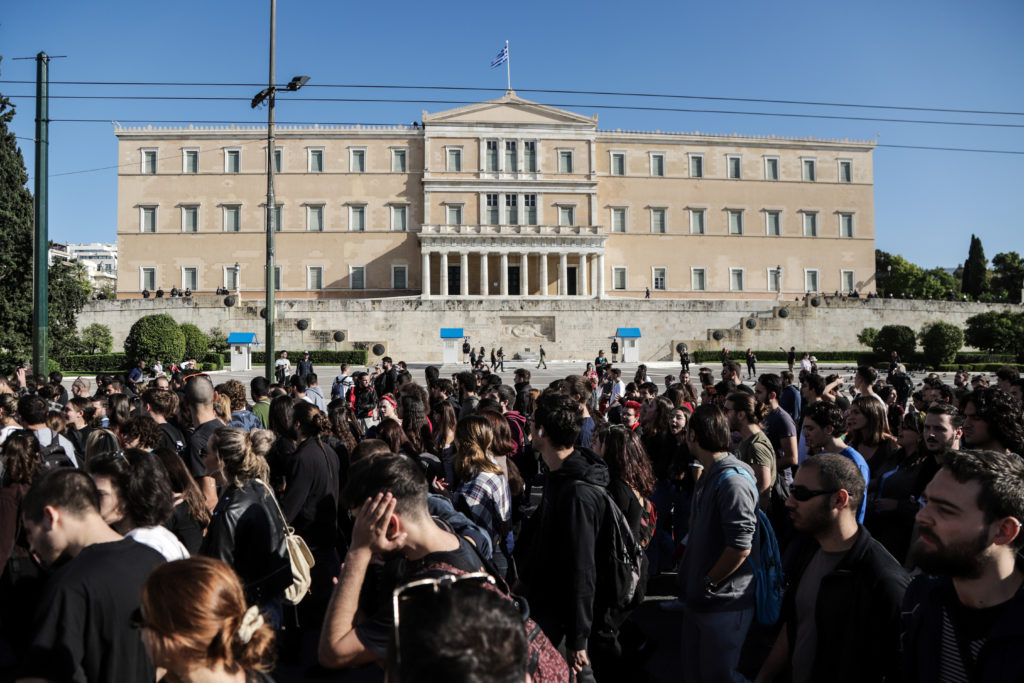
(575, 105)
(613, 93)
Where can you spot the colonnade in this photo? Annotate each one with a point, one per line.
(589, 266)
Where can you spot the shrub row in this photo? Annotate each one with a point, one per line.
(975, 367)
(739, 355)
(352, 357)
(97, 362)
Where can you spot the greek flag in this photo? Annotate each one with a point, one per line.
(501, 58)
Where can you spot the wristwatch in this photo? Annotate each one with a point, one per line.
(709, 585)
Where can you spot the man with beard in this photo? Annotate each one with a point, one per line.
(962, 618)
(942, 432)
(845, 589)
(993, 421)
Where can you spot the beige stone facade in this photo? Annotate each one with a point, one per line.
(505, 198)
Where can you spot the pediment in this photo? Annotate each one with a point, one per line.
(509, 109)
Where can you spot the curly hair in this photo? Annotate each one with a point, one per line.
(142, 483)
(1002, 413)
(235, 391)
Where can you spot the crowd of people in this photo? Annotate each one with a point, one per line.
(468, 529)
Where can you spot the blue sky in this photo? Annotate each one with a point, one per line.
(923, 54)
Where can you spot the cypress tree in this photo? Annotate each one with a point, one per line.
(975, 281)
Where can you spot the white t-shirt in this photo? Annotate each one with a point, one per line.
(160, 539)
(618, 391)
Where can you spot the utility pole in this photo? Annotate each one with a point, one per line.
(41, 281)
(271, 313)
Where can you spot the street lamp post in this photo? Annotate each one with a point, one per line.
(268, 95)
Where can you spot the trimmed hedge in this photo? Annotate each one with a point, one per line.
(352, 357)
(982, 357)
(97, 362)
(975, 367)
(738, 355)
(214, 360)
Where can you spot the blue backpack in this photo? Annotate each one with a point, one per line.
(769, 583)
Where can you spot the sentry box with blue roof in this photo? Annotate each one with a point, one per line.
(241, 344)
(630, 337)
(451, 344)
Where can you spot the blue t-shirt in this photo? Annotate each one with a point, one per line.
(865, 472)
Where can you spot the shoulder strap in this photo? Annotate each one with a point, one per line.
(277, 505)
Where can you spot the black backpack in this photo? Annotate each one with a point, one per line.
(622, 569)
(53, 454)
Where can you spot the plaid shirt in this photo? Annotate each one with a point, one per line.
(486, 500)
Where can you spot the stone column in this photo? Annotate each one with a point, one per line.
(524, 274)
(444, 273)
(543, 273)
(504, 273)
(464, 273)
(600, 276)
(583, 286)
(563, 274)
(425, 274)
(485, 285)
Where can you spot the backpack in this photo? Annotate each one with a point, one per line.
(620, 577)
(545, 664)
(53, 454)
(769, 583)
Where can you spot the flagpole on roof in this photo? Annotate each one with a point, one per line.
(508, 66)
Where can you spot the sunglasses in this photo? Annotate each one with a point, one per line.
(803, 494)
(189, 378)
(430, 588)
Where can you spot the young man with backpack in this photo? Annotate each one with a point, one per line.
(718, 580)
(54, 449)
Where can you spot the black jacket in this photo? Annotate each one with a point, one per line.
(856, 614)
(921, 635)
(247, 532)
(305, 367)
(523, 390)
(310, 499)
(560, 569)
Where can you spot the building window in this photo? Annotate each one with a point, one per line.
(530, 208)
(696, 221)
(511, 210)
(658, 278)
(147, 278)
(733, 165)
(399, 277)
(398, 160)
(696, 165)
(847, 280)
(619, 278)
(846, 225)
(357, 277)
(190, 161)
(774, 280)
(567, 215)
(357, 218)
(276, 217)
(565, 161)
(736, 279)
(773, 223)
(511, 157)
(232, 160)
(454, 214)
(232, 219)
(491, 156)
(698, 279)
(658, 220)
(491, 216)
(230, 278)
(277, 277)
(147, 219)
(278, 155)
(735, 222)
(810, 171)
(315, 218)
(771, 168)
(454, 159)
(315, 163)
(190, 219)
(149, 161)
(530, 156)
(658, 165)
(811, 280)
(845, 171)
(357, 160)
(618, 220)
(399, 218)
(810, 224)
(314, 277)
(190, 278)
(618, 163)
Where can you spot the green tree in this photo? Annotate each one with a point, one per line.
(155, 337)
(16, 222)
(940, 341)
(196, 343)
(996, 332)
(1007, 276)
(218, 340)
(69, 290)
(898, 338)
(96, 338)
(867, 337)
(975, 279)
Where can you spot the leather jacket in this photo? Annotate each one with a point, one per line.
(247, 532)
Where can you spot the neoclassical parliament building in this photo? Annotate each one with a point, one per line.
(505, 198)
